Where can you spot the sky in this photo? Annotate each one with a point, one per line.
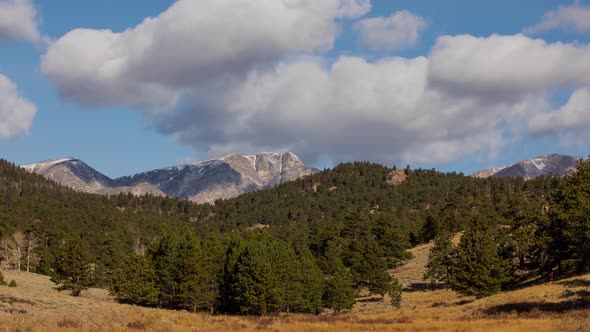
(457, 85)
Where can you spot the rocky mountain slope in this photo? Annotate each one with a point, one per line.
(204, 181)
(554, 164)
(76, 174)
(226, 177)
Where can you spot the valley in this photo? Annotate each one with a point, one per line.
(560, 306)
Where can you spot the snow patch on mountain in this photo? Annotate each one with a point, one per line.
(225, 177)
(46, 164)
(550, 165)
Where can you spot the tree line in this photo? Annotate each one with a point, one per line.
(546, 237)
(299, 247)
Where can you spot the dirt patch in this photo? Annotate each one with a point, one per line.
(397, 177)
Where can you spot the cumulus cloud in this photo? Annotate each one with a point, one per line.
(191, 43)
(247, 76)
(507, 67)
(573, 18)
(400, 30)
(574, 116)
(16, 112)
(18, 20)
(354, 8)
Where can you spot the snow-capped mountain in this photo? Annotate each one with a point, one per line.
(76, 174)
(203, 181)
(554, 164)
(226, 177)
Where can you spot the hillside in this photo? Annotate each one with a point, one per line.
(33, 204)
(350, 215)
(34, 306)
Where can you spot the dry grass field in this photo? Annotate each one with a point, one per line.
(560, 306)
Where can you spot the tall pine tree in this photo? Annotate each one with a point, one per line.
(478, 269)
(72, 267)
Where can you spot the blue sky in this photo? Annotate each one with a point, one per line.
(274, 100)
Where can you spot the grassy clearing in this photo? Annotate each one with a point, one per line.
(558, 306)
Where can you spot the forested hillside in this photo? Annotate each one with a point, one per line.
(300, 247)
(35, 207)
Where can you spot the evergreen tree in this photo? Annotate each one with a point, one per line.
(395, 293)
(289, 276)
(312, 284)
(166, 262)
(568, 231)
(429, 230)
(135, 281)
(213, 259)
(73, 267)
(194, 278)
(234, 250)
(368, 266)
(340, 292)
(478, 269)
(440, 258)
(255, 286)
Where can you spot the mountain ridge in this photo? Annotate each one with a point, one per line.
(76, 174)
(546, 165)
(199, 181)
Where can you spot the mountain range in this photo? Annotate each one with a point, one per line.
(553, 164)
(203, 181)
(235, 174)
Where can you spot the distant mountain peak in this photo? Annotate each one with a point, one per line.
(48, 163)
(552, 164)
(200, 181)
(223, 177)
(77, 175)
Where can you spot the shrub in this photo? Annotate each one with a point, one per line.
(395, 292)
(12, 283)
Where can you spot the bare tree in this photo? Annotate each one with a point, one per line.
(16, 245)
(32, 244)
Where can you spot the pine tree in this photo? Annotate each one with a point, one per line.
(213, 257)
(429, 230)
(194, 278)
(568, 230)
(72, 268)
(234, 250)
(166, 264)
(313, 283)
(340, 292)
(255, 286)
(478, 269)
(135, 281)
(368, 266)
(395, 293)
(289, 276)
(440, 258)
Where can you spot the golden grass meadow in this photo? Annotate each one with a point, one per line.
(559, 306)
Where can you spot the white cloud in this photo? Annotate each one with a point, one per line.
(16, 112)
(506, 67)
(191, 43)
(354, 8)
(400, 30)
(247, 76)
(573, 18)
(18, 20)
(574, 116)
